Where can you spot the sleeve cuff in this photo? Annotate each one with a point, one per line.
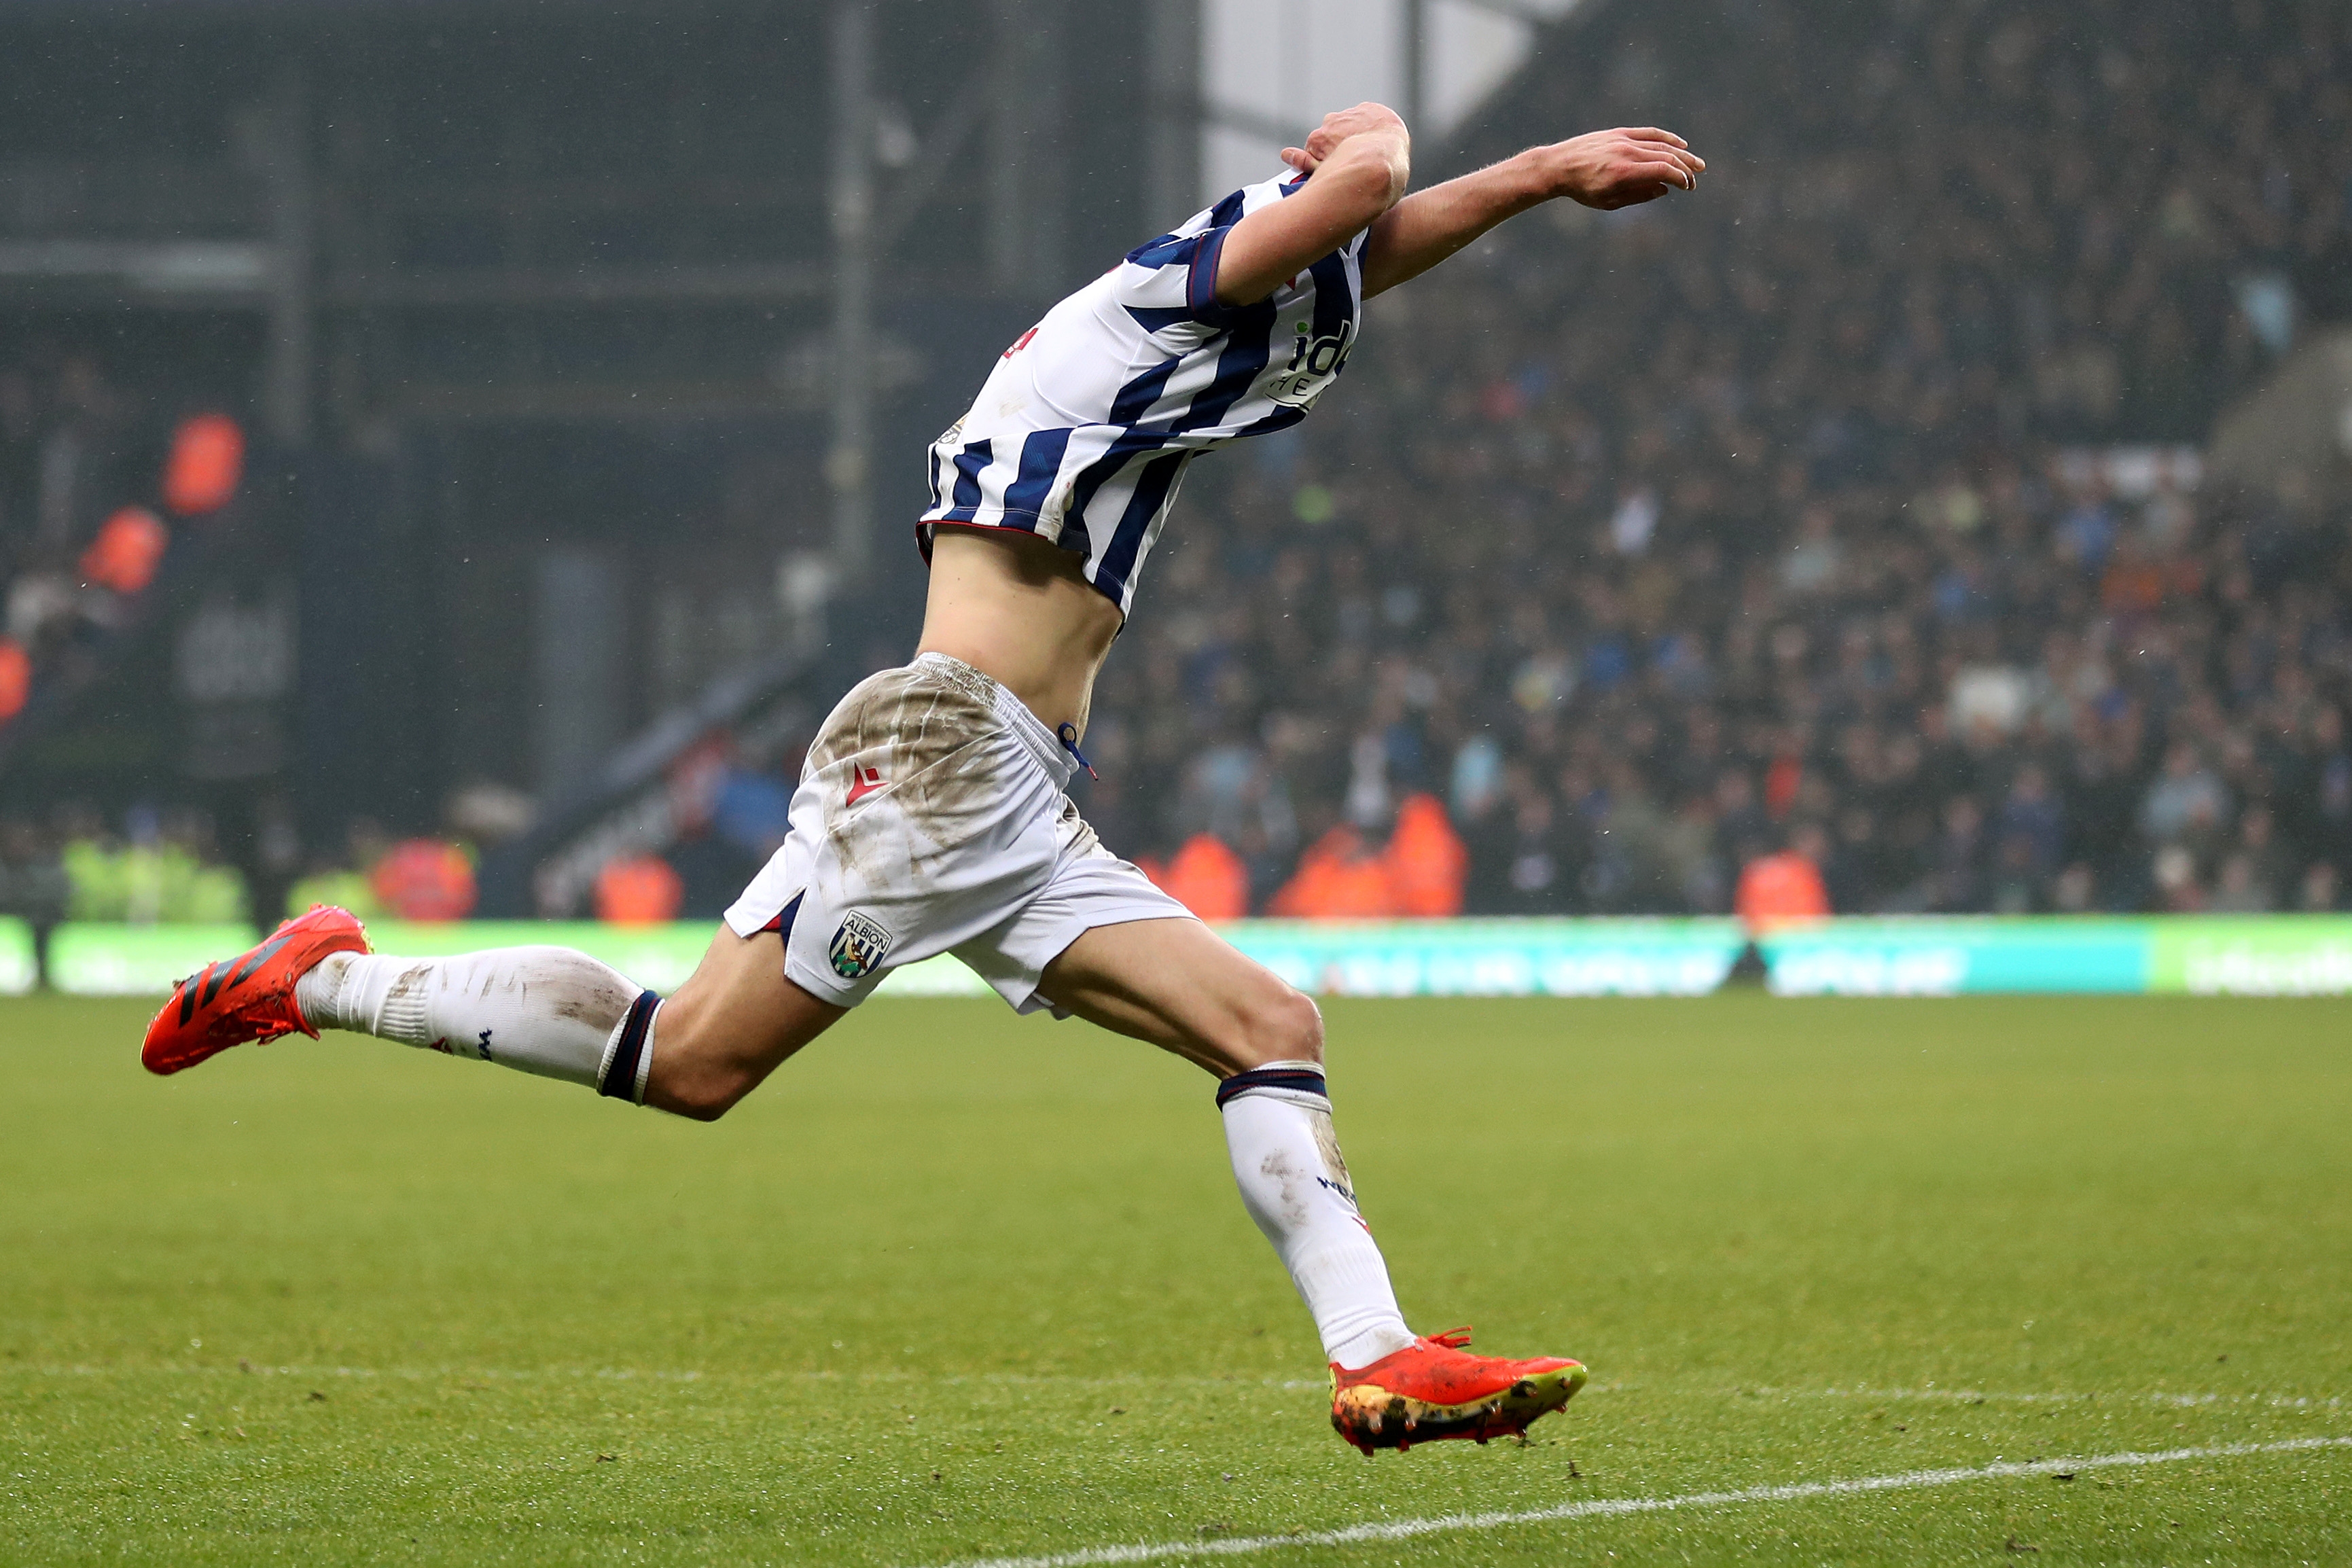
(1200, 281)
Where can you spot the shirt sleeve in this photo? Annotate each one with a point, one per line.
(1174, 280)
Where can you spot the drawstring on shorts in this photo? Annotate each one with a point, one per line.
(1068, 733)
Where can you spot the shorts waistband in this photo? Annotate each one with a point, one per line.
(1050, 753)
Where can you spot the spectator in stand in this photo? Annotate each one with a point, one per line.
(1207, 879)
(426, 880)
(1785, 886)
(34, 887)
(638, 891)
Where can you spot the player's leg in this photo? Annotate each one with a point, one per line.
(551, 1011)
(563, 1015)
(736, 1019)
(914, 763)
(1179, 986)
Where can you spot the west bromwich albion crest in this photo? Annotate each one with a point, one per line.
(858, 946)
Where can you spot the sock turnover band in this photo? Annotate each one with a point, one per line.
(1281, 1074)
(626, 1064)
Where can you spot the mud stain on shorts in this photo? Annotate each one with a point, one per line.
(924, 731)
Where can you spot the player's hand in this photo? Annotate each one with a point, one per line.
(1612, 169)
(1339, 125)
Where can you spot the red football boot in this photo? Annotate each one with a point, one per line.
(1433, 1388)
(251, 996)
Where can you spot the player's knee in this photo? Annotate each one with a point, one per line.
(1286, 1026)
(698, 1095)
(708, 1107)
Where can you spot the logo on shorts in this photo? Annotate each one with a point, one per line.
(863, 781)
(858, 946)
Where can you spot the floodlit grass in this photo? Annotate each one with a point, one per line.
(957, 1284)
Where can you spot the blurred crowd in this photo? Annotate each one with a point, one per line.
(1788, 516)
(1840, 525)
(90, 469)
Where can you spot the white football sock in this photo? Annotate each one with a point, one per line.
(1294, 1184)
(544, 1010)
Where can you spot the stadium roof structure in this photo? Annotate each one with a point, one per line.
(495, 212)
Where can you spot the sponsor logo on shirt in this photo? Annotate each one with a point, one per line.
(1314, 363)
(863, 781)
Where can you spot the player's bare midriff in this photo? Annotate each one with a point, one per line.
(1015, 608)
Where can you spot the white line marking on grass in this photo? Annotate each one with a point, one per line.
(1610, 1508)
(1986, 1395)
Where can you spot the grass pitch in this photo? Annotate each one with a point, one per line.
(956, 1285)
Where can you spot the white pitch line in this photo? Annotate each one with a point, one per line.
(1608, 1508)
(1995, 1396)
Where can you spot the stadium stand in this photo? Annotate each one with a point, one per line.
(91, 465)
(1792, 514)
(1814, 517)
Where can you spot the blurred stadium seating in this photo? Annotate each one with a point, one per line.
(1843, 495)
(1864, 505)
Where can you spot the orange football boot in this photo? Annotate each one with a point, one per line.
(1433, 1388)
(251, 996)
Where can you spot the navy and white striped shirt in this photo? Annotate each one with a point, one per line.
(1085, 426)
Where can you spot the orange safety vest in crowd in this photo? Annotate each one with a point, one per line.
(128, 547)
(638, 891)
(206, 460)
(426, 880)
(1338, 880)
(1207, 879)
(1774, 888)
(15, 679)
(1428, 865)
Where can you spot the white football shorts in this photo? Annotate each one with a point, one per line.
(930, 818)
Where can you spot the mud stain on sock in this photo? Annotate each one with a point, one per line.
(401, 1016)
(1277, 1168)
(597, 997)
(1334, 1164)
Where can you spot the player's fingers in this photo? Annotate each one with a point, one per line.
(1299, 159)
(1651, 133)
(1675, 150)
(1663, 172)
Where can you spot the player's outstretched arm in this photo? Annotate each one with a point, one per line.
(1605, 169)
(1357, 162)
